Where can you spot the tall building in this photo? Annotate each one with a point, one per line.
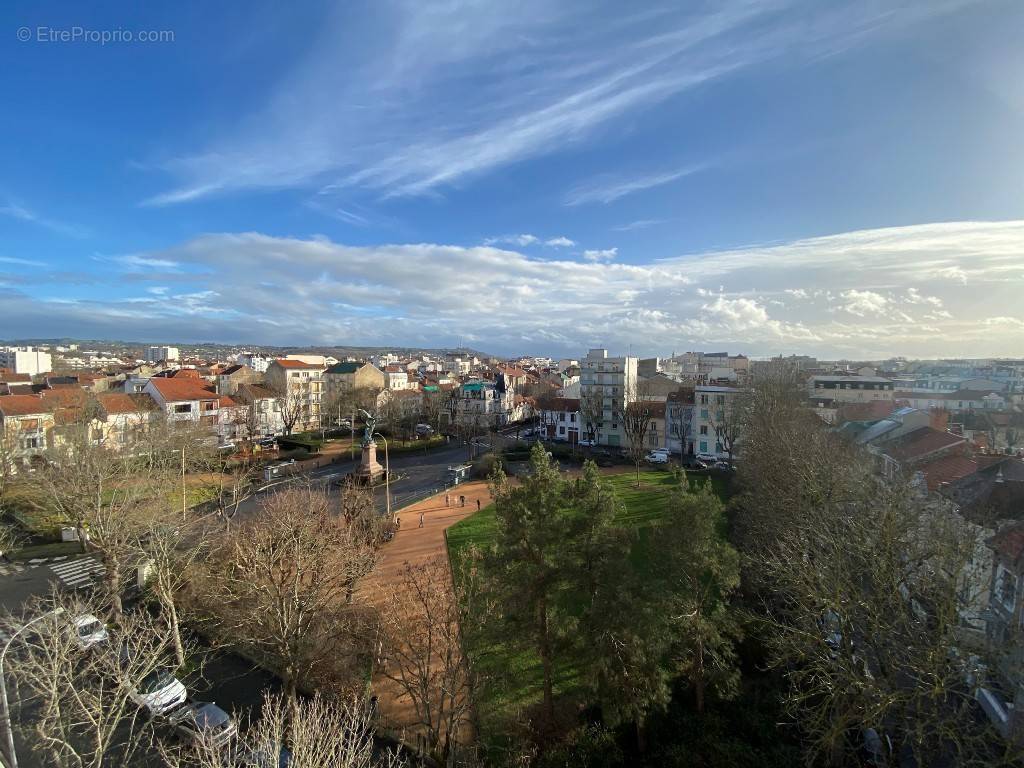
(606, 384)
(25, 360)
(160, 354)
(301, 386)
(255, 360)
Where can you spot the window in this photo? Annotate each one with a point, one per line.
(703, 446)
(183, 408)
(1007, 588)
(704, 414)
(704, 400)
(703, 429)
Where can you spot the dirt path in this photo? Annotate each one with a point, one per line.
(414, 544)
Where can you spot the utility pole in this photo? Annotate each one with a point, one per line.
(183, 508)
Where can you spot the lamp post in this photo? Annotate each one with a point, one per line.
(387, 473)
(12, 756)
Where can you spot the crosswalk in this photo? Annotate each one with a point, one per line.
(81, 572)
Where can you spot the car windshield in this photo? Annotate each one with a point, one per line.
(210, 717)
(156, 681)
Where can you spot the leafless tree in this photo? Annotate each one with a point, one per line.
(421, 632)
(636, 418)
(291, 408)
(860, 580)
(82, 714)
(281, 584)
(318, 731)
(360, 514)
(591, 414)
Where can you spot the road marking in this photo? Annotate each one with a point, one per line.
(78, 573)
(11, 568)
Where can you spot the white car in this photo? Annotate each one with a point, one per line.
(587, 443)
(657, 457)
(88, 631)
(707, 458)
(159, 692)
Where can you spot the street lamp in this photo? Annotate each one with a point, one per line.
(387, 472)
(8, 731)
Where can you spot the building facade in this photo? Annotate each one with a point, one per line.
(606, 385)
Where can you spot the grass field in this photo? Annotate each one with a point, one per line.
(519, 670)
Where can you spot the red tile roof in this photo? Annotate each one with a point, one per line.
(875, 410)
(296, 364)
(924, 442)
(1009, 541)
(119, 402)
(10, 377)
(179, 390)
(23, 405)
(946, 470)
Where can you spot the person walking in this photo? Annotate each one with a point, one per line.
(447, 500)
(478, 505)
(421, 518)
(462, 501)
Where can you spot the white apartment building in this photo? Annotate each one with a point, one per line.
(850, 389)
(608, 381)
(396, 377)
(302, 385)
(158, 354)
(26, 360)
(255, 360)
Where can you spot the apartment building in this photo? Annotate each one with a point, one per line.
(162, 354)
(396, 378)
(606, 385)
(28, 360)
(714, 420)
(301, 385)
(849, 389)
(342, 377)
(255, 360)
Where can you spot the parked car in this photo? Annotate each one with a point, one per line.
(692, 462)
(204, 722)
(424, 430)
(707, 458)
(587, 443)
(88, 631)
(159, 692)
(657, 457)
(725, 466)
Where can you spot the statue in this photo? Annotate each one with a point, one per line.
(371, 424)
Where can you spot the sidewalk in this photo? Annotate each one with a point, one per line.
(413, 544)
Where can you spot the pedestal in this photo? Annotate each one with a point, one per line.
(369, 470)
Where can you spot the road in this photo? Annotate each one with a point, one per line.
(413, 476)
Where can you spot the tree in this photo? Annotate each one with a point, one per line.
(726, 418)
(82, 714)
(420, 622)
(279, 585)
(291, 408)
(859, 579)
(108, 497)
(318, 731)
(697, 573)
(527, 565)
(591, 413)
(621, 632)
(635, 416)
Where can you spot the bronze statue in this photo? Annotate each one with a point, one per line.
(371, 423)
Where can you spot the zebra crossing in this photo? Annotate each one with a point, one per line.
(81, 572)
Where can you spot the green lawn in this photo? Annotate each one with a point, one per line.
(519, 669)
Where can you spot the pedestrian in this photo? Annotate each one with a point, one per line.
(462, 501)
(398, 522)
(478, 505)
(447, 500)
(421, 518)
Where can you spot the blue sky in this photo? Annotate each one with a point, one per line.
(840, 179)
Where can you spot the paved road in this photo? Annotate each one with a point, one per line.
(414, 475)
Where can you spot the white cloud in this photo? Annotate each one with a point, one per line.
(606, 254)
(862, 303)
(520, 240)
(19, 212)
(301, 291)
(447, 92)
(560, 242)
(638, 224)
(609, 189)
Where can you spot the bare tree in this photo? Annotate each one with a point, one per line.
(420, 622)
(82, 712)
(318, 731)
(291, 410)
(591, 414)
(280, 585)
(636, 418)
(726, 418)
